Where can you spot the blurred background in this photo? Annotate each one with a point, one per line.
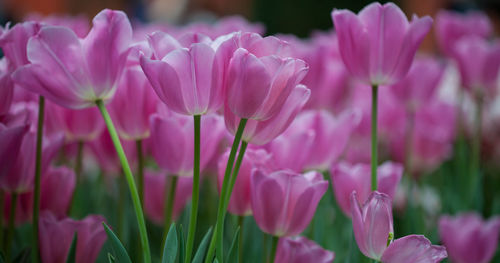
(299, 17)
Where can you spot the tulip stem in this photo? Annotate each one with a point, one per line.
(234, 175)
(240, 238)
(196, 189)
(121, 206)
(38, 174)
(374, 137)
(476, 143)
(2, 200)
(10, 230)
(130, 180)
(274, 245)
(140, 170)
(79, 160)
(169, 206)
(217, 238)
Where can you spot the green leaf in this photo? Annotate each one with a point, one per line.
(119, 252)
(24, 256)
(71, 258)
(200, 253)
(182, 245)
(233, 251)
(171, 244)
(215, 260)
(111, 259)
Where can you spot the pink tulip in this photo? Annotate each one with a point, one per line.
(6, 88)
(240, 201)
(452, 26)
(172, 141)
(372, 223)
(11, 139)
(13, 42)
(296, 141)
(78, 125)
(24, 208)
(301, 250)
(184, 78)
(378, 44)
(414, 249)
(57, 186)
(468, 238)
(79, 24)
(348, 178)
(155, 185)
(131, 117)
(74, 72)
(260, 132)
(284, 202)
(479, 64)
(55, 238)
(105, 154)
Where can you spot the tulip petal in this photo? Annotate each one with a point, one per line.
(413, 249)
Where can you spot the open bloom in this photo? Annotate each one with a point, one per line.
(13, 42)
(74, 72)
(468, 238)
(300, 250)
(413, 249)
(284, 202)
(378, 44)
(347, 178)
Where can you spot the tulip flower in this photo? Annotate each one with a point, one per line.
(74, 72)
(11, 139)
(79, 24)
(240, 201)
(468, 238)
(56, 236)
(284, 202)
(6, 88)
(452, 26)
(104, 152)
(13, 42)
(300, 250)
(413, 249)
(348, 178)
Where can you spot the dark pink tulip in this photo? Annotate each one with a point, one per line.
(184, 78)
(155, 185)
(414, 249)
(240, 201)
(372, 223)
(263, 131)
(479, 64)
(378, 44)
(284, 202)
(74, 72)
(468, 238)
(11, 139)
(131, 116)
(174, 153)
(348, 178)
(452, 26)
(301, 250)
(13, 42)
(57, 186)
(78, 125)
(6, 88)
(55, 238)
(105, 153)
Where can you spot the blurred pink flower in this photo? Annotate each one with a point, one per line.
(413, 249)
(79, 23)
(301, 250)
(13, 42)
(105, 154)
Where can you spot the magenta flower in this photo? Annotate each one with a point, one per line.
(56, 235)
(452, 26)
(348, 178)
(468, 238)
(284, 202)
(57, 186)
(174, 153)
(105, 154)
(13, 42)
(131, 117)
(260, 132)
(185, 79)
(378, 45)
(155, 185)
(300, 250)
(413, 249)
(6, 88)
(11, 139)
(74, 72)
(240, 201)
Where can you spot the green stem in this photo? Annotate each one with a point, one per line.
(130, 180)
(38, 174)
(196, 189)
(169, 206)
(121, 206)
(217, 236)
(234, 175)
(274, 245)
(2, 201)
(10, 230)
(374, 137)
(140, 170)
(265, 245)
(476, 144)
(240, 238)
(79, 160)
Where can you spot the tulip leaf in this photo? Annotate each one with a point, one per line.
(202, 249)
(119, 253)
(71, 258)
(171, 244)
(182, 244)
(111, 259)
(23, 257)
(233, 251)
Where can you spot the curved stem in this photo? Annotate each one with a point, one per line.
(217, 238)
(10, 230)
(169, 206)
(196, 189)
(130, 180)
(140, 170)
(374, 138)
(38, 171)
(240, 238)
(274, 245)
